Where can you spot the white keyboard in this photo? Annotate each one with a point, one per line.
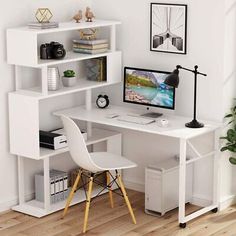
(135, 119)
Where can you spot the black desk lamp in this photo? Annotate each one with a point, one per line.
(173, 80)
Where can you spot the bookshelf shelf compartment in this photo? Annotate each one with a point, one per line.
(82, 85)
(99, 135)
(71, 57)
(68, 26)
(36, 208)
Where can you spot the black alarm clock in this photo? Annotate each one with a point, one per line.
(102, 101)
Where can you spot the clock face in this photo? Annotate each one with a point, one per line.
(102, 102)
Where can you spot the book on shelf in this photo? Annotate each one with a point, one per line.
(90, 42)
(90, 46)
(48, 25)
(90, 51)
(96, 69)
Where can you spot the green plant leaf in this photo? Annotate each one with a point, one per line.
(232, 160)
(69, 73)
(223, 149)
(231, 135)
(223, 137)
(229, 115)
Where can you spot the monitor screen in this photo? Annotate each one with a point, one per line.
(147, 87)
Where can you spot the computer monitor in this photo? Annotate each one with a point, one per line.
(147, 87)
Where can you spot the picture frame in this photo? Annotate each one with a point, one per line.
(168, 28)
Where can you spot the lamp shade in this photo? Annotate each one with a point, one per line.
(173, 79)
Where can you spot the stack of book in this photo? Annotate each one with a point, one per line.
(96, 69)
(90, 46)
(37, 25)
(58, 186)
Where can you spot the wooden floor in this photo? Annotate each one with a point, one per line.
(113, 222)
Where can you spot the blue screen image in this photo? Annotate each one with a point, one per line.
(148, 88)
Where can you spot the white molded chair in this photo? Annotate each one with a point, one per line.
(94, 163)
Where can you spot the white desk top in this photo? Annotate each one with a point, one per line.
(175, 129)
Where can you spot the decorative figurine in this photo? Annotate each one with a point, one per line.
(88, 34)
(78, 16)
(43, 15)
(89, 15)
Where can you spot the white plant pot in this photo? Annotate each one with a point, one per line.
(69, 81)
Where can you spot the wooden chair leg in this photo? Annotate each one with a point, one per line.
(69, 199)
(88, 204)
(126, 198)
(110, 189)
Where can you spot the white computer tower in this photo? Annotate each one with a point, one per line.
(162, 186)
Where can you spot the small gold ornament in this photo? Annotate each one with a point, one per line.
(88, 34)
(89, 15)
(78, 16)
(43, 15)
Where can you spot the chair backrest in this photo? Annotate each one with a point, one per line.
(77, 145)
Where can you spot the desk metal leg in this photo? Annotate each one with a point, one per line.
(182, 181)
(216, 170)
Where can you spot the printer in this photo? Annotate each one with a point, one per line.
(52, 140)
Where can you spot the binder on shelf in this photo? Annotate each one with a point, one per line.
(58, 186)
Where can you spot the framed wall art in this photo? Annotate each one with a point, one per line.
(168, 28)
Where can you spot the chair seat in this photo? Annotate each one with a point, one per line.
(110, 161)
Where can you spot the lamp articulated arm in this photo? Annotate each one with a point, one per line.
(195, 71)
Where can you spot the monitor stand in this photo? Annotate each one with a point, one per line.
(152, 115)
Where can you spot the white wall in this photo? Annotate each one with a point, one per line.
(211, 30)
(205, 47)
(15, 13)
(228, 187)
(205, 35)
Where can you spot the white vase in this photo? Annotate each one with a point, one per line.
(53, 79)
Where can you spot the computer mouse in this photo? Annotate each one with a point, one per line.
(163, 122)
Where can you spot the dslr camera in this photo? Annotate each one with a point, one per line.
(53, 50)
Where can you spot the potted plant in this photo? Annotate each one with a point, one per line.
(230, 138)
(69, 78)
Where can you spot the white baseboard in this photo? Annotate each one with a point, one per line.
(7, 205)
(198, 200)
(139, 187)
(227, 202)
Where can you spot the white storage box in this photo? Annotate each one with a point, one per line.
(162, 186)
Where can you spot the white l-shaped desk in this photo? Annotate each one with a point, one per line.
(175, 129)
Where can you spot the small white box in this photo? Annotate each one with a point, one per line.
(162, 186)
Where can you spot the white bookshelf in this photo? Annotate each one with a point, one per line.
(24, 103)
